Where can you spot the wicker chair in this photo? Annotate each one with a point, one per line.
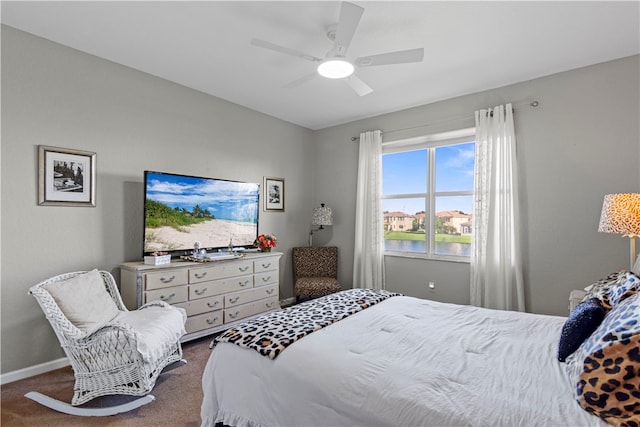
(315, 271)
(115, 358)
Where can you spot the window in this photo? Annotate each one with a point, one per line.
(427, 194)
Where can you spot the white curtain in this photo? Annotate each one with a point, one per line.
(368, 262)
(496, 264)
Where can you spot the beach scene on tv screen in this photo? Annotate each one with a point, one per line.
(180, 210)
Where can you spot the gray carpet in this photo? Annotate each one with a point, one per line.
(178, 396)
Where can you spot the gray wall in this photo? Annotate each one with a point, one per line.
(53, 95)
(581, 143)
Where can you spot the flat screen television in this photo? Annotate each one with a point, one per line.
(180, 210)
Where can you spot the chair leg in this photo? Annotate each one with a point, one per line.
(66, 408)
(174, 365)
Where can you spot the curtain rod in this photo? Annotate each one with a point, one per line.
(533, 104)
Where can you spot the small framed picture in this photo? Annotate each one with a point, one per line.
(66, 177)
(273, 194)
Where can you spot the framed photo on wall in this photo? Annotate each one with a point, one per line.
(273, 194)
(66, 177)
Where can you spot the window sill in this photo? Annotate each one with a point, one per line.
(415, 255)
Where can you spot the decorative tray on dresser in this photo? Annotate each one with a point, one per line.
(214, 294)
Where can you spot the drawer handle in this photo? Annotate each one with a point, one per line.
(266, 265)
(200, 275)
(169, 280)
(212, 321)
(234, 315)
(200, 291)
(266, 279)
(212, 305)
(270, 304)
(270, 291)
(243, 284)
(170, 297)
(234, 300)
(243, 269)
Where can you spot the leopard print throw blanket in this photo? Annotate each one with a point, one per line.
(272, 333)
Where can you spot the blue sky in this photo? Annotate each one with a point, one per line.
(236, 201)
(406, 173)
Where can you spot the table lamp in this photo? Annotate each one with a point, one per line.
(321, 216)
(621, 215)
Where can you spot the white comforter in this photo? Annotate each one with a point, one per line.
(402, 362)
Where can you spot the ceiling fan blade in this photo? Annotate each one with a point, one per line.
(360, 87)
(301, 80)
(399, 57)
(287, 51)
(350, 15)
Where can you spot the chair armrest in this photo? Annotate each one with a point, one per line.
(156, 303)
(108, 329)
(123, 331)
(164, 304)
(112, 345)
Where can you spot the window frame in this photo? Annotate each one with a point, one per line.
(429, 142)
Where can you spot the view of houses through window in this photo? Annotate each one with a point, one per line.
(428, 194)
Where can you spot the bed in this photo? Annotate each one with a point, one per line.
(402, 361)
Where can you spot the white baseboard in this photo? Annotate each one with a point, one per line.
(31, 371)
(287, 302)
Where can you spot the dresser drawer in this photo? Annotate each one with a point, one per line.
(240, 312)
(266, 264)
(202, 305)
(267, 278)
(166, 278)
(232, 269)
(243, 297)
(238, 298)
(265, 291)
(202, 290)
(271, 303)
(222, 286)
(203, 321)
(243, 282)
(170, 295)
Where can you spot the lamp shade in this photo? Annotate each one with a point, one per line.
(322, 216)
(621, 214)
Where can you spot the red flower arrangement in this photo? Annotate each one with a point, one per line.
(265, 242)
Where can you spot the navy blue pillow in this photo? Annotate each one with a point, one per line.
(582, 321)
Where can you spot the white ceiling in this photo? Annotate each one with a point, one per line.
(469, 46)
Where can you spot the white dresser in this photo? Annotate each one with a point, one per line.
(214, 294)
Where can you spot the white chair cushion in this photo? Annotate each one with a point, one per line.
(156, 329)
(84, 300)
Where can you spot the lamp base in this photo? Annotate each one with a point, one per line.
(311, 234)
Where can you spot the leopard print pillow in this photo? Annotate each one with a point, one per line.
(627, 286)
(606, 368)
(614, 288)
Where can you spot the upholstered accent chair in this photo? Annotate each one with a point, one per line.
(112, 350)
(315, 272)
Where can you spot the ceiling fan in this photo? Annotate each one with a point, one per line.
(335, 65)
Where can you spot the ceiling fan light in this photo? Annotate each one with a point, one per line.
(335, 68)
